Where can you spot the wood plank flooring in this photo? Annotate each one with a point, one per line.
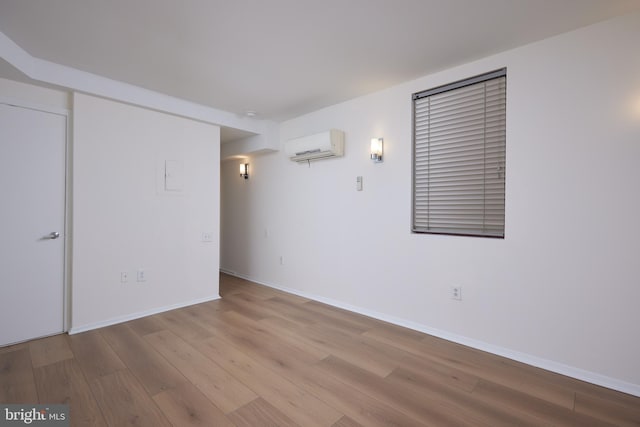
(261, 357)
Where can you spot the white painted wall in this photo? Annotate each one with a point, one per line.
(121, 222)
(561, 290)
(26, 94)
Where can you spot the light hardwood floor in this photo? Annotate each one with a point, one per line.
(260, 357)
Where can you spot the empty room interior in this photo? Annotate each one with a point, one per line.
(320, 213)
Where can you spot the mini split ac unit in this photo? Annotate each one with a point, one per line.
(319, 146)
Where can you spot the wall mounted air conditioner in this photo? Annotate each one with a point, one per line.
(319, 146)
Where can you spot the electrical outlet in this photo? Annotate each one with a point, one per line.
(124, 277)
(456, 293)
(142, 276)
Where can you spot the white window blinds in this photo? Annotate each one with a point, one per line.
(459, 157)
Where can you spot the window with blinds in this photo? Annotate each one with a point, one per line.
(459, 157)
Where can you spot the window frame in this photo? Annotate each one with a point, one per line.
(481, 78)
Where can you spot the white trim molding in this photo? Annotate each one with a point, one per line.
(134, 316)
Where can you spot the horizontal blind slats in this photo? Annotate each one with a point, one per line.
(459, 160)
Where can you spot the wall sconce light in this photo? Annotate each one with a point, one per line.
(376, 149)
(244, 170)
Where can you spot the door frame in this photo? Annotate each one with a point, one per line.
(67, 253)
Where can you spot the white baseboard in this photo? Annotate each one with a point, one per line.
(133, 316)
(229, 272)
(549, 365)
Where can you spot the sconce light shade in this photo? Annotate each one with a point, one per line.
(244, 170)
(376, 149)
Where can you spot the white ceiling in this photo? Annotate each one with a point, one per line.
(283, 58)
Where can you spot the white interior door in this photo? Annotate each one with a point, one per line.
(32, 215)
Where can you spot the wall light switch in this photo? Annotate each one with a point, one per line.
(207, 236)
(359, 183)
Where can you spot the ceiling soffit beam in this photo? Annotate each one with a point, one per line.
(93, 84)
(266, 142)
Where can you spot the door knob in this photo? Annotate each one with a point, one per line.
(54, 235)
